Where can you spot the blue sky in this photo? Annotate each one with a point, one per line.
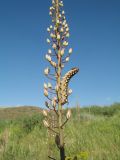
(95, 38)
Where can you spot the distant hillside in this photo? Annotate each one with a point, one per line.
(18, 112)
(11, 113)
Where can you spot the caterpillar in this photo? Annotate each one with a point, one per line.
(64, 84)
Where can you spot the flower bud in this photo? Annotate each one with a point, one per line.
(46, 92)
(60, 16)
(65, 43)
(49, 85)
(66, 25)
(51, 26)
(67, 29)
(62, 66)
(61, 4)
(68, 115)
(55, 28)
(54, 46)
(46, 71)
(48, 41)
(62, 52)
(53, 64)
(70, 91)
(45, 86)
(53, 2)
(67, 35)
(64, 22)
(48, 29)
(70, 50)
(49, 51)
(50, 13)
(58, 37)
(48, 57)
(67, 59)
(44, 113)
(45, 123)
(61, 30)
(58, 21)
(56, 87)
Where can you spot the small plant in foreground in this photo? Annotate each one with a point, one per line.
(57, 91)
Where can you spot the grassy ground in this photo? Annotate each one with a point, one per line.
(93, 133)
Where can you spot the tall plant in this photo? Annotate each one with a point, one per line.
(57, 91)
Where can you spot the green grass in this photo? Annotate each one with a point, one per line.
(93, 133)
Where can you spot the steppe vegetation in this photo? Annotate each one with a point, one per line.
(93, 133)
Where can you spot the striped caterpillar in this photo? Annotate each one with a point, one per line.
(64, 84)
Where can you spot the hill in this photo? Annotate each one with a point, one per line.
(18, 112)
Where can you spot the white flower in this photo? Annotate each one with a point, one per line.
(52, 35)
(56, 87)
(67, 29)
(53, 2)
(70, 50)
(64, 17)
(60, 16)
(61, 4)
(50, 13)
(46, 71)
(44, 113)
(48, 41)
(49, 51)
(70, 91)
(64, 22)
(46, 92)
(49, 85)
(68, 35)
(53, 64)
(45, 86)
(66, 25)
(65, 43)
(54, 46)
(50, 8)
(62, 52)
(48, 57)
(48, 29)
(68, 115)
(45, 123)
(51, 26)
(61, 30)
(55, 28)
(67, 59)
(58, 37)
(63, 12)
(58, 21)
(62, 65)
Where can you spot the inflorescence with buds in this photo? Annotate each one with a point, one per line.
(58, 55)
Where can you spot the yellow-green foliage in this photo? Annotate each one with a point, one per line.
(90, 137)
